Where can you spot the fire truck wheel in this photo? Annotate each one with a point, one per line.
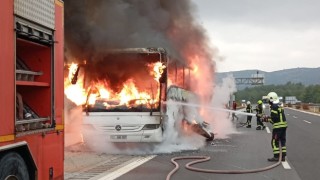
(12, 167)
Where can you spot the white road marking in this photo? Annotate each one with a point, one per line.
(121, 171)
(316, 114)
(268, 130)
(286, 165)
(307, 121)
(294, 116)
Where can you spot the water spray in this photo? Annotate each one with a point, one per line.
(208, 107)
(200, 159)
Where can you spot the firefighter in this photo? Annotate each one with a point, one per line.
(260, 114)
(234, 108)
(249, 110)
(278, 120)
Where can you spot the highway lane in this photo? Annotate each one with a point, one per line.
(246, 150)
(249, 149)
(303, 143)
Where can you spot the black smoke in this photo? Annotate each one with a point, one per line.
(93, 26)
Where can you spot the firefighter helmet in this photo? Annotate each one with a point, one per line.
(259, 102)
(273, 97)
(248, 102)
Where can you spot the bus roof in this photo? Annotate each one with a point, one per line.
(137, 50)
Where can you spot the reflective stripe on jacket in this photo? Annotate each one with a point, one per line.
(260, 111)
(249, 108)
(278, 119)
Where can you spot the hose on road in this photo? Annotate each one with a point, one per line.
(207, 158)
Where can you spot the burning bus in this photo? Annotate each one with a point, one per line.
(124, 94)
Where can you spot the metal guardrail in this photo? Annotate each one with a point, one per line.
(315, 109)
(306, 107)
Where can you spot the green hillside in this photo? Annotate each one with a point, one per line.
(304, 83)
(306, 76)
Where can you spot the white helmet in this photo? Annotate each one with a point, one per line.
(273, 97)
(248, 102)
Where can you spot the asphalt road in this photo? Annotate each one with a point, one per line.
(249, 149)
(303, 143)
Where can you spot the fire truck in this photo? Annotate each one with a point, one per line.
(31, 89)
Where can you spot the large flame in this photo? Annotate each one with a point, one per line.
(74, 92)
(72, 71)
(158, 69)
(128, 95)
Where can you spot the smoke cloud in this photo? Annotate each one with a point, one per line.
(220, 120)
(94, 26)
(175, 139)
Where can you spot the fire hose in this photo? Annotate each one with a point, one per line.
(208, 107)
(207, 158)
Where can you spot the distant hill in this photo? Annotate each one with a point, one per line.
(306, 76)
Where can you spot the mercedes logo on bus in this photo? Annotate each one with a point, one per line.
(118, 127)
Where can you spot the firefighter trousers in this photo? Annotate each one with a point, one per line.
(259, 122)
(249, 120)
(279, 136)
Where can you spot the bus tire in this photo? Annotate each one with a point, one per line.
(210, 138)
(12, 166)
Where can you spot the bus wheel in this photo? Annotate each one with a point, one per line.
(210, 138)
(13, 167)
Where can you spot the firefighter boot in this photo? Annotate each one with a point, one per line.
(248, 126)
(283, 159)
(258, 128)
(274, 159)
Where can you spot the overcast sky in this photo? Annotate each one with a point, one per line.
(268, 35)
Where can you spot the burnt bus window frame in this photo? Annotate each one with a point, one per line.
(99, 107)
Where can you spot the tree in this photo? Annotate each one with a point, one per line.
(304, 93)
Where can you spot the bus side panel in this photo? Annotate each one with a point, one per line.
(7, 100)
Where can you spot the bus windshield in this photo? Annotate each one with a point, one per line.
(124, 82)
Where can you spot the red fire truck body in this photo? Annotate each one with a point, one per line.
(31, 89)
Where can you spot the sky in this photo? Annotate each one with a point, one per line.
(265, 35)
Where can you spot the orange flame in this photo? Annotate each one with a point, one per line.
(129, 93)
(74, 92)
(195, 66)
(158, 69)
(72, 70)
